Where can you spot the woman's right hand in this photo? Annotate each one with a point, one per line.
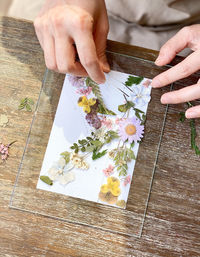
(67, 27)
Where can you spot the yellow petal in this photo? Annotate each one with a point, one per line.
(86, 108)
(109, 180)
(104, 188)
(82, 101)
(115, 191)
(113, 182)
(92, 101)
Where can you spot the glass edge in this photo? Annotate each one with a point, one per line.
(28, 136)
(81, 223)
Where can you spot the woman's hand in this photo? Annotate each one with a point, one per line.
(186, 37)
(67, 27)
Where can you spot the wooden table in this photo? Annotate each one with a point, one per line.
(172, 224)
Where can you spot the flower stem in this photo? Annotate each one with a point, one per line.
(12, 143)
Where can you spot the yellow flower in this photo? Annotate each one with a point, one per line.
(112, 186)
(108, 198)
(86, 103)
(121, 203)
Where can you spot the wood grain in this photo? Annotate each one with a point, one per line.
(172, 225)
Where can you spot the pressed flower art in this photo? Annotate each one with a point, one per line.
(95, 137)
(131, 129)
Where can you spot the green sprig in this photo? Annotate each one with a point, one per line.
(26, 103)
(133, 81)
(96, 155)
(193, 133)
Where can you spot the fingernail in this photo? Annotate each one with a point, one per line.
(158, 60)
(106, 67)
(164, 99)
(155, 83)
(190, 114)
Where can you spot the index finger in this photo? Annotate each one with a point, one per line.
(182, 70)
(88, 56)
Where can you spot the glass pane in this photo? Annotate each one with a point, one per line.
(127, 221)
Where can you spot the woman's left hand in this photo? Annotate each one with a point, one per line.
(188, 37)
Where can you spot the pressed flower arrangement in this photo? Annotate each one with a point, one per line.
(113, 136)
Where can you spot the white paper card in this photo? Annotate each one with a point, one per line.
(101, 182)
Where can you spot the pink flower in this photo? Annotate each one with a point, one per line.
(108, 171)
(146, 83)
(84, 91)
(127, 180)
(118, 120)
(106, 122)
(4, 150)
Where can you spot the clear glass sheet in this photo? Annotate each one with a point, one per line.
(127, 221)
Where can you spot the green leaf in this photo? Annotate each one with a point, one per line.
(182, 116)
(125, 107)
(123, 172)
(28, 108)
(66, 156)
(98, 155)
(103, 110)
(110, 135)
(30, 101)
(90, 148)
(133, 80)
(96, 143)
(137, 115)
(193, 137)
(83, 149)
(26, 103)
(21, 106)
(138, 110)
(46, 180)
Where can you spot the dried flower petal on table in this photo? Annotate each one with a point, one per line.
(26, 103)
(3, 120)
(4, 150)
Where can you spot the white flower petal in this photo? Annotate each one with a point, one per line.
(66, 178)
(61, 162)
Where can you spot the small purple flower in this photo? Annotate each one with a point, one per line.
(76, 81)
(130, 129)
